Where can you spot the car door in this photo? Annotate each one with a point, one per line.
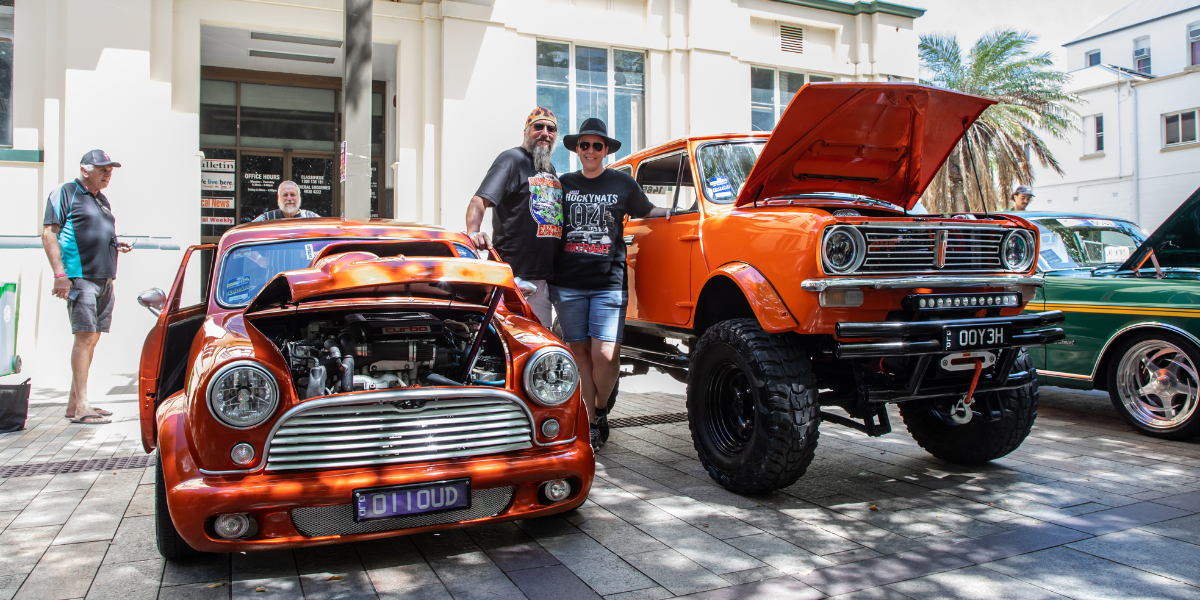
(659, 249)
(165, 352)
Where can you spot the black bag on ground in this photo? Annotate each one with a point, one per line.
(14, 406)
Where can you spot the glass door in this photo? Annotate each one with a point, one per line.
(260, 177)
(315, 176)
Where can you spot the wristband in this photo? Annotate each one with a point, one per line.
(59, 275)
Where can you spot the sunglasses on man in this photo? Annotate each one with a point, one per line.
(546, 126)
(599, 146)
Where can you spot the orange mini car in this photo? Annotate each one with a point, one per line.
(789, 276)
(346, 380)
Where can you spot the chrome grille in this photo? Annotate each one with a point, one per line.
(349, 434)
(320, 521)
(901, 249)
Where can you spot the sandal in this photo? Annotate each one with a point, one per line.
(99, 411)
(91, 420)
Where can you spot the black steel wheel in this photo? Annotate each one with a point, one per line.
(752, 407)
(977, 441)
(171, 545)
(1154, 385)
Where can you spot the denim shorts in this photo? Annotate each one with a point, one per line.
(91, 310)
(596, 314)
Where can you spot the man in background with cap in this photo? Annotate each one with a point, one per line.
(1022, 197)
(523, 191)
(79, 234)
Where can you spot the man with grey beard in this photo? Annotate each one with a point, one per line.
(523, 190)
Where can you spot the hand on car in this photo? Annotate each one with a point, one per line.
(481, 240)
(62, 286)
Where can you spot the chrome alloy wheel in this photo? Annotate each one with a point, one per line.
(1158, 384)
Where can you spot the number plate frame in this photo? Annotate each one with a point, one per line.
(951, 336)
(362, 498)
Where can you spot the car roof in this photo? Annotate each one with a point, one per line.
(1035, 215)
(296, 229)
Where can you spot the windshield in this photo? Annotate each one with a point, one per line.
(248, 268)
(725, 167)
(1085, 243)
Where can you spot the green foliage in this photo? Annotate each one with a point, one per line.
(1030, 101)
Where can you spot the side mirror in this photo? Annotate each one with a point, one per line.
(153, 299)
(526, 288)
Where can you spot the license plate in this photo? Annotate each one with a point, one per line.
(971, 337)
(413, 499)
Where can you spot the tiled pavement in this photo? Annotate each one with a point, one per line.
(1084, 509)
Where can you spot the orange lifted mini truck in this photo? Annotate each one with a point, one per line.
(347, 380)
(790, 277)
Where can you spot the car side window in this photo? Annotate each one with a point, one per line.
(659, 178)
(686, 201)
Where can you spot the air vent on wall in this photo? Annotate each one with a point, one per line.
(791, 39)
(1194, 35)
(295, 39)
(329, 60)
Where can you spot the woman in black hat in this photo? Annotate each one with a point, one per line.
(588, 287)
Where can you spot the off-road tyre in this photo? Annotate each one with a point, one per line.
(171, 545)
(978, 441)
(1177, 361)
(752, 407)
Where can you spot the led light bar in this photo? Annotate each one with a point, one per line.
(919, 302)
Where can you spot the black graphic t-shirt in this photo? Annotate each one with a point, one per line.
(526, 213)
(591, 255)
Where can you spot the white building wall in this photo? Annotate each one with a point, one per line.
(1135, 177)
(124, 75)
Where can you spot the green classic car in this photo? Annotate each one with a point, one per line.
(1132, 302)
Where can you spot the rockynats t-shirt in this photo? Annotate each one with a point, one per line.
(592, 253)
(527, 213)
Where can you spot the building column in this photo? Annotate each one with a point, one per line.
(356, 110)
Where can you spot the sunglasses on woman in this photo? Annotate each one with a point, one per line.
(546, 126)
(599, 146)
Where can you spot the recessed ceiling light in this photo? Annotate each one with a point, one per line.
(292, 56)
(295, 39)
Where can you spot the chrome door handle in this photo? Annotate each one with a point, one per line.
(628, 240)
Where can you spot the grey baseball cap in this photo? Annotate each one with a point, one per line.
(99, 158)
(1023, 189)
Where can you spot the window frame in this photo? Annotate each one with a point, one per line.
(1191, 46)
(1195, 128)
(1093, 136)
(1087, 58)
(1138, 44)
(778, 90)
(12, 43)
(611, 89)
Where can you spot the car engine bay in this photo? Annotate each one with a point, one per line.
(334, 352)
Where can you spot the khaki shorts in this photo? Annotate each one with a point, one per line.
(91, 308)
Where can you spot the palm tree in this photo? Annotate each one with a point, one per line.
(1001, 143)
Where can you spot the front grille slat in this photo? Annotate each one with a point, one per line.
(900, 249)
(348, 435)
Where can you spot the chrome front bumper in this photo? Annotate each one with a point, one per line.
(920, 281)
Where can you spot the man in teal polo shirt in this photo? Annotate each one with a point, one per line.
(79, 234)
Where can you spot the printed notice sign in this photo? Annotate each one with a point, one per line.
(343, 162)
(220, 166)
(720, 187)
(216, 182)
(216, 220)
(216, 203)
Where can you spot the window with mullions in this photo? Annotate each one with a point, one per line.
(1179, 128)
(580, 82)
(770, 93)
(6, 72)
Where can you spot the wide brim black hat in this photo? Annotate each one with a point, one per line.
(596, 127)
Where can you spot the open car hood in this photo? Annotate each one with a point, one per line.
(360, 273)
(1176, 243)
(880, 140)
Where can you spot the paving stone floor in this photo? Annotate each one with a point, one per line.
(1086, 508)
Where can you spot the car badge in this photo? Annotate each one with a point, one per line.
(939, 260)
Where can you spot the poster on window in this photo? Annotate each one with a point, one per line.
(216, 220)
(217, 165)
(217, 182)
(226, 203)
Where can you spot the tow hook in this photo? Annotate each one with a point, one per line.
(961, 412)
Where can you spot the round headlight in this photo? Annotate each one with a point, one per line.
(551, 376)
(1017, 251)
(843, 250)
(243, 394)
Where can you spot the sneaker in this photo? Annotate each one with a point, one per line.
(602, 423)
(597, 442)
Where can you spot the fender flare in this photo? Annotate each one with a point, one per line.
(770, 310)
